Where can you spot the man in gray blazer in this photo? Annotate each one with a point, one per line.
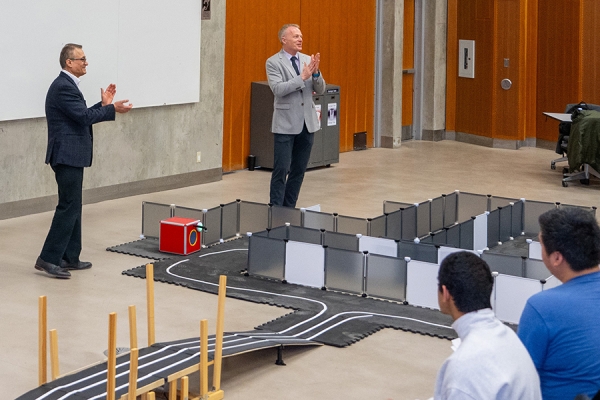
(69, 151)
(293, 77)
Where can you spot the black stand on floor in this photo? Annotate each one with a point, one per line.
(279, 360)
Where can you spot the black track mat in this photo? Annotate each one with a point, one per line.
(329, 317)
(155, 364)
(147, 248)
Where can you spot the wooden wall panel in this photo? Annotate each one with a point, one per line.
(342, 31)
(474, 97)
(451, 65)
(250, 38)
(557, 61)
(554, 53)
(408, 62)
(591, 52)
(345, 37)
(506, 108)
(530, 69)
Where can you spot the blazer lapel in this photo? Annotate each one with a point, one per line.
(68, 78)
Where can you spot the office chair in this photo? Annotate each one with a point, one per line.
(563, 133)
(585, 169)
(563, 140)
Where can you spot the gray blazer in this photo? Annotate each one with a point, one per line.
(293, 104)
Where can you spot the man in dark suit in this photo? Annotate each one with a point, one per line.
(69, 151)
(293, 77)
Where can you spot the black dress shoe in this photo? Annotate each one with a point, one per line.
(75, 266)
(51, 269)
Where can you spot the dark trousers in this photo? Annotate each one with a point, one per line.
(64, 238)
(291, 154)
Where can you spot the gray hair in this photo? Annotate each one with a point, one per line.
(284, 28)
(67, 52)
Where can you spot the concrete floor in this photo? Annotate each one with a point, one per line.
(388, 365)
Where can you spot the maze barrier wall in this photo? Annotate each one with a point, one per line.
(393, 256)
(344, 270)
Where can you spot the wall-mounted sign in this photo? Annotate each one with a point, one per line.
(466, 58)
(205, 9)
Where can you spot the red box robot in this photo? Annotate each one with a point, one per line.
(180, 235)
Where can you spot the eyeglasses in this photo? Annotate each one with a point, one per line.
(79, 59)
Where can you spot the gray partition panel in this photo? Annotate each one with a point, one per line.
(533, 210)
(394, 225)
(453, 236)
(152, 214)
(496, 202)
(304, 235)
(351, 225)
(344, 270)
(423, 218)
(229, 222)
(186, 212)
(318, 220)
(467, 230)
(505, 223)
(471, 205)
(264, 233)
(391, 206)
(212, 224)
(493, 228)
(535, 269)
(378, 226)
(342, 241)
(504, 263)
(253, 217)
(427, 239)
(517, 218)
(450, 209)
(418, 251)
(590, 209)
(281, 232)
(409, 223)
(437, 214)
(266, 257)
(280, 215)
(386, 277)
(439, 237)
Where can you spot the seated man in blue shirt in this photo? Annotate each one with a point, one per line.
(491, 362)
(561, 327)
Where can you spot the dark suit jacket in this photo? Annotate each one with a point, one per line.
(70, 123)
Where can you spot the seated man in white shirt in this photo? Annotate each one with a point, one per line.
(491, 362)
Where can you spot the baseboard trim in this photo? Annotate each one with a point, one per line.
(494, 143)
(37, 205)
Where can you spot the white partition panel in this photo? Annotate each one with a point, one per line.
(480, 232)
(384, 247)
(305, 264)
(444, 252)
(551, 282)
(421, 284)
(535, 250)
(512, 293)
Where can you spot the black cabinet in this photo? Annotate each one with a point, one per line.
(326, 147)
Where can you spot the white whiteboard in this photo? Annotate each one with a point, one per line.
(149, 48)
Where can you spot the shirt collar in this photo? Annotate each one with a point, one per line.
(464, 324)
(73, 77)
(289, 56)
